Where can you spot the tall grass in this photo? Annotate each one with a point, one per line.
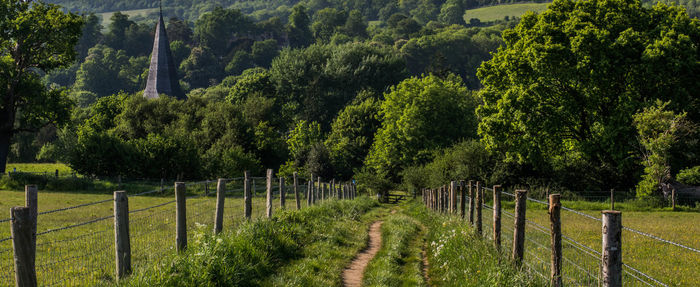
(459, 258)
(398, 262)
(329, 250)
(248, 254)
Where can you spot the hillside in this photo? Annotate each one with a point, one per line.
(499, 12)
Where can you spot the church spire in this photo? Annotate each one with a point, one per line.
(162, 76)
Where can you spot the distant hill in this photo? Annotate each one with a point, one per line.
(499, 12)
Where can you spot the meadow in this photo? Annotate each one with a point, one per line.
(76, 246)
(48, 168)
(105, 16)
(667, 263)
(498, 12)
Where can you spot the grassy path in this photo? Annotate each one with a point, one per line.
(399, 262)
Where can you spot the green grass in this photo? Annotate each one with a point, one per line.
(457, 257)
(49, 168)
(105, 16)
(498, 12)
(665, 262)
(84, 255)
(398, 262)
(269, 252)
(330, 248)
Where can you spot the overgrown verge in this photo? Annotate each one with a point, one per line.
(247, 255)
(458, 258)
(398, 262)
(329, 250)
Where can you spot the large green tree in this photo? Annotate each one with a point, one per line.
(418, 117)
(564, 87)
(35, 38)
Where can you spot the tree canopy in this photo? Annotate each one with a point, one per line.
(564, 87)
(418, 116)
(35, 38)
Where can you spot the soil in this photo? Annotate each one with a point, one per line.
(353, 274)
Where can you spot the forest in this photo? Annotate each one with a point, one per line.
(595, 94)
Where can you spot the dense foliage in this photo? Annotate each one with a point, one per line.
(383, 91)
(561, 93)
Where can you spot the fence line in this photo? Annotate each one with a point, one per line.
(435, 199)
(82, 253)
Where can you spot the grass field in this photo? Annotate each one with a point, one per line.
(105, 16)
(498, 12)
(84, 255)
(669, 264)
(49, 168)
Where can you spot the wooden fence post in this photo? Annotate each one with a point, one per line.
(519, 232)
(479, 203)
(323, 190)
(247, 209)
(453, 197)
(296, 190)
(308, 193)
(21, 232)
(122, 240)
(317, 195)
(471, 203)
(206, 187)
(555, 229)
(673, 198)
(612, 199)
(220, 201)
(311, 190)
(269, 193)
(612, 248)
(282, 193)
(462, 199)
(497, 216)
(181, 216)
(31, 200)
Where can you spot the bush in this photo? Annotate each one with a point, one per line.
(689, 176)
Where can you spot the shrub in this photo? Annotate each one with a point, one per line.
(689, 176)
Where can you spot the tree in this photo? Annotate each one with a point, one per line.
(451, 13)
(201, 67)
(36, 38)
(100, 73)
(179, 30)
(264, 51)
(298, 27)
(90, 36)
(419, 116)
(564, 87)
(217, 29)
(117, 30)
(658, 129)
(327, 21)
(352, 134)
(355, 26)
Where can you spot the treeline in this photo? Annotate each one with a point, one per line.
(568, 98)
(327, 70)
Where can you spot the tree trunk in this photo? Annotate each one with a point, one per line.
(5, 138)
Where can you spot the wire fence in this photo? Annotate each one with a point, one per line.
(75, 244)
(648, 258)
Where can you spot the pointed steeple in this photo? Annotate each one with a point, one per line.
(162, 74)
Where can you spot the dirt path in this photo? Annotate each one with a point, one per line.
(352, 275)
(425, 264)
